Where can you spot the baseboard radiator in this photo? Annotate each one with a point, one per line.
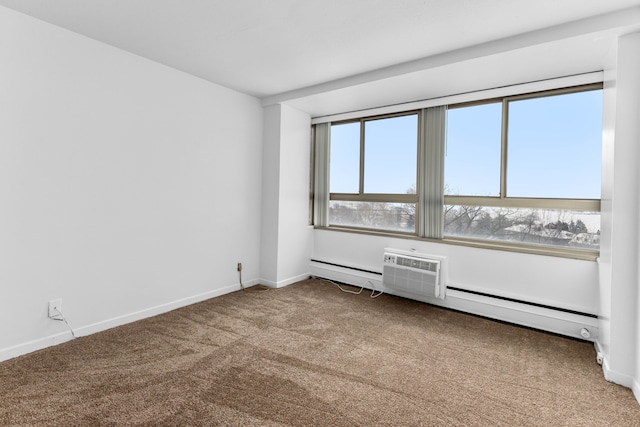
(424, 278)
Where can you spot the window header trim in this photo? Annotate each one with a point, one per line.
(480, 95)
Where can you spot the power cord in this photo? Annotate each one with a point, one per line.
(359, 291)
(61, 314)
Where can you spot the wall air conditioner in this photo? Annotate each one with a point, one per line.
(413, 274)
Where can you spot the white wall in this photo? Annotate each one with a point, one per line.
(126, 188)
(620, 298)
(627, 296)
(295, 240)
(286, 234)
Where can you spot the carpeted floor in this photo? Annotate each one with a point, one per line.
(310, 355)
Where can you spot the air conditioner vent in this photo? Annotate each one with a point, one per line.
(419, 264)
(413, 274)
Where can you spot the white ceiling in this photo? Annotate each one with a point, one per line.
(307, 51)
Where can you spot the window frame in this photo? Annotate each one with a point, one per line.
(362, 196)
(503, 200)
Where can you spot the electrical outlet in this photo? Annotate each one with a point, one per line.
(55, 309)
(239, 266)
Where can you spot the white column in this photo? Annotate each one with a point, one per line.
(620, 255)
(286, 234)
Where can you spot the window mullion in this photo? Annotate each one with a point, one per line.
(362, 148)
(504, 149)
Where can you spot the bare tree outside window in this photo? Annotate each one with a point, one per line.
(525, 225)
(373, 215)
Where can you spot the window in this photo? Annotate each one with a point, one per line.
(518, 173)
(373, 173)
(472, 160)
(526, 170)
(558, 140)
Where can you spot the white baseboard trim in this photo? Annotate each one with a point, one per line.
(59, 338)
(285, 282)
(616, 377)
(546, 319)
(35, 345)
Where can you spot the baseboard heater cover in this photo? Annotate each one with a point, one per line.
(347, 274)
(548, 307)
(346, 266)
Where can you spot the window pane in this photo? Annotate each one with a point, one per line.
(472, 160)
(539, 226)
(555, 146)
(344, 172)
(391, 155)
(378, 215)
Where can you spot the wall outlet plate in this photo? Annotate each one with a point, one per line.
(55, 309)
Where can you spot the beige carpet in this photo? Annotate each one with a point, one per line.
(310, 355)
